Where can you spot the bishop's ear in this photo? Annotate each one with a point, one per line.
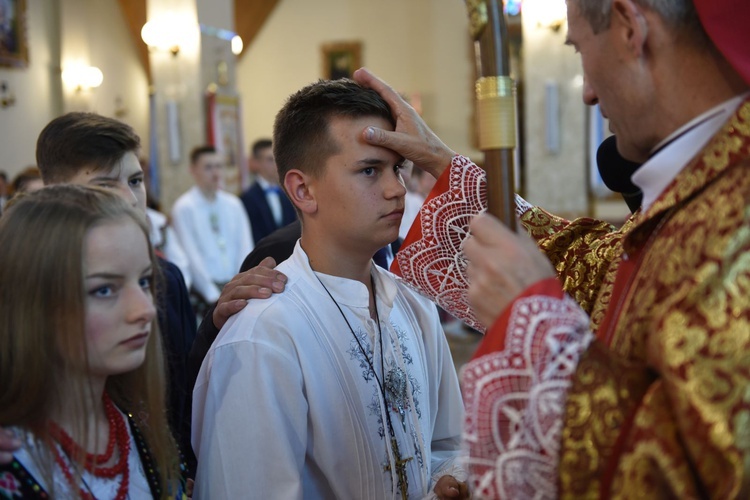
(297, 185)
(629, 21)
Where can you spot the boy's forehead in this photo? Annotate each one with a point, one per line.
(365, 121)
(127, 166)
(89, 172)
(209, 159)
(343, 129)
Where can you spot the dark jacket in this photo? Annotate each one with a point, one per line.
(261, 218)
(177, 325)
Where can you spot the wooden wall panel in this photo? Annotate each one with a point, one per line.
(134, 12)
(249, 17)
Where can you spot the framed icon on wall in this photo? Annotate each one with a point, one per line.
(225, 134)
(341, 59)
(14, 50)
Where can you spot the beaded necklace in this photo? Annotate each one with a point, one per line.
(118, 434)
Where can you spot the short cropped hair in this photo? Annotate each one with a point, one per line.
(199, 151)
(301, 137)
(260, 145)
(78, 140)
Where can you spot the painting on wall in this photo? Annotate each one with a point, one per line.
(14, 49)
(225, 134)
(341, 59)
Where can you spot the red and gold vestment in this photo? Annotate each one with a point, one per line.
(657, 404)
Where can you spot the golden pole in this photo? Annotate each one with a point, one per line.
(496, 105)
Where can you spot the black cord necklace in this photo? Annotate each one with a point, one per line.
(402, 478)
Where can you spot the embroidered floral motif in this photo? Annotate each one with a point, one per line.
(401, 335)
(417, 448)
(416, 388)
(396, 383)
(355, 352)
(404, 388)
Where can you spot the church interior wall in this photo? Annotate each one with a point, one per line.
(34, 90)
(421, 47)
(61, 33)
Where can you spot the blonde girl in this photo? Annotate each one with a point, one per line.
(81, 364)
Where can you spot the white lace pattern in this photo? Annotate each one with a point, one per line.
(435, 264)
(515, 399)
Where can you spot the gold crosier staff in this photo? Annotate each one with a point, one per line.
(496, 105)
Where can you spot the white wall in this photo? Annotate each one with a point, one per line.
(417, 46)
(424, 46)
(558, 180)
(555, 180)
(94, 31)
(36, 89)
(125, 82)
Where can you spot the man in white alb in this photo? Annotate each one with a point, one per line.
(342, 386)
(212, 226)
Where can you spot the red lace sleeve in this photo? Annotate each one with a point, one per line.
(431, 258)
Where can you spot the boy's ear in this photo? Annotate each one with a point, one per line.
(298, 187)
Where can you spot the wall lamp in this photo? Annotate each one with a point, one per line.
(80, 77)
(168, 33)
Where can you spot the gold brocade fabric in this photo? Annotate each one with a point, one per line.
(660, 406)
(665, 411)
(603, 395)
(586, 254)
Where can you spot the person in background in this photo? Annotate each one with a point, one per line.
(418, 186)
(28, 180)
(82, 386)
(162, 234)
(266, 204)
(212, 226)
